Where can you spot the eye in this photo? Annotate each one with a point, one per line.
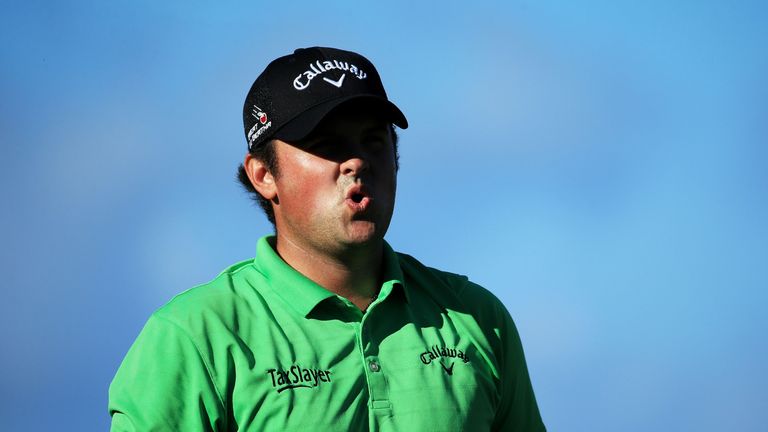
(376, 143)
(319, 145)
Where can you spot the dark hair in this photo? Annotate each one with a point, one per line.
(266, 154)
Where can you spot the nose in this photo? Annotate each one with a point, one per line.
(355, 165)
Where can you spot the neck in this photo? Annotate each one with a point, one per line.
(353, 274)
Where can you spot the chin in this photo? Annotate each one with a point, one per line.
(364, 232)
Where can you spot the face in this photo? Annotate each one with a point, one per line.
(336, 188)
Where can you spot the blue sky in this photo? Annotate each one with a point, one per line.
(600, 166)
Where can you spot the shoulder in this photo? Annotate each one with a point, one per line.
(215, 303)
(451, 290)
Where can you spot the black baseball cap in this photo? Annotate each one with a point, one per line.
(295, 92)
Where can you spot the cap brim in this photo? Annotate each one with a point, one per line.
(303, 124)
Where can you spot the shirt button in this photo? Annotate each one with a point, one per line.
(374, 366)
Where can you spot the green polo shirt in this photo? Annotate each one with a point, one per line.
(263, 348)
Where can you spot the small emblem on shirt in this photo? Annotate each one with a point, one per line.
(445, 356)
(297, 376)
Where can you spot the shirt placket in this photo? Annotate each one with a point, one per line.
(373, 368)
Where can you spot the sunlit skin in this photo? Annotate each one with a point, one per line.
(333, 200)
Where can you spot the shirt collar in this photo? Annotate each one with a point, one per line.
(301, 293)
(392, 276)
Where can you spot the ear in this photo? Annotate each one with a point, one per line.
(261, 179)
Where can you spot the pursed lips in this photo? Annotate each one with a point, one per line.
(358, 197)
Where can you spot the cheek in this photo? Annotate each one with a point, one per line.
(305, 197)
(306, 185)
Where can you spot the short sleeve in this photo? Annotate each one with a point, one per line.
(164, 384)
(518, 411)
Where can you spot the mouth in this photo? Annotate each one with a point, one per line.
(358, 198)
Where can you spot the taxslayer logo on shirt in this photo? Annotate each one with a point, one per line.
(297, 376)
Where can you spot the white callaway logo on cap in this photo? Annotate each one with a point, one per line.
(303, 80)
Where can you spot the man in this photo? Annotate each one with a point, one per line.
(327, 328)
